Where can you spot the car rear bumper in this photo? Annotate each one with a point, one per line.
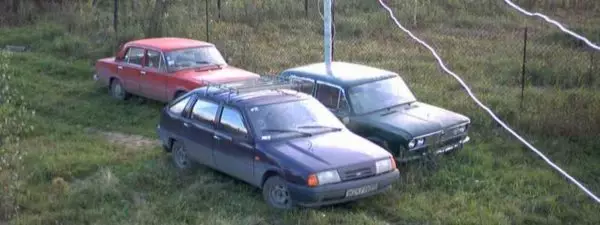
(336, 193)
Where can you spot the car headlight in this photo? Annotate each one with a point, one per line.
(462, 128)
(412, 143)
(416, 143)
(385, 165)
(324, 177)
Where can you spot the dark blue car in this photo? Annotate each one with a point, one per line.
(277, 139)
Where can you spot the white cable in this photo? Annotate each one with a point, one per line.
(441, 62)
(560, 26)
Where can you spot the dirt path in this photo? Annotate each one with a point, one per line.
(131, 141)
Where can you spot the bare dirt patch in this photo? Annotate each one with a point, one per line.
(130, 141)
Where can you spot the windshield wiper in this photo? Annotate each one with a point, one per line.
(202, 62)
(304, 134)
(321, 126)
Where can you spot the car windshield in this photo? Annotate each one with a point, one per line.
(295, 118)
(373, 96)
(193, 58)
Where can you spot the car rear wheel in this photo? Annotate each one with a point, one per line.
(180, 156)
(117, 90)
(276, 193)
(179, 93)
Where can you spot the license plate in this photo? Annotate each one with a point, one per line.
(361, 190)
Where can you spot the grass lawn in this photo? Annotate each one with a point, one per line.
(94, 160)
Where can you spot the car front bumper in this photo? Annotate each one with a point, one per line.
(440, 150)
(336, 193)
(453, 146)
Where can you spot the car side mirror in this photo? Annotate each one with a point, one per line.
(228, 60)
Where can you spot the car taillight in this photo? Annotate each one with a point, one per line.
(393, 162)
(312, 180)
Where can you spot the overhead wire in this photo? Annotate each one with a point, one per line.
(489, 111)
(556, 23)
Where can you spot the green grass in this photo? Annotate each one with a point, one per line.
(77, 177)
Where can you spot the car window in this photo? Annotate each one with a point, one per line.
(270, 121)
(232, 121)
(332, 97)
(134, 56)
(178, 107)
(154, 60)
(305, 86)
(204, 111)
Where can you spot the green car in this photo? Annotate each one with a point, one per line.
(378, 105)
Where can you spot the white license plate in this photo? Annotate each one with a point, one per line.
(361, 190)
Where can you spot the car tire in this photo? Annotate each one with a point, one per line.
(117, 90)
(180, 157)
(276, 194)
(179, 93)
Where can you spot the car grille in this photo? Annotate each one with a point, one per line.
(357, 171)
(451, 141)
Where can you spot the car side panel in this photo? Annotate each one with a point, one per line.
(234, 158)
(105, 70)
(154, 84)
(199, 142)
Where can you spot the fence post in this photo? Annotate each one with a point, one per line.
(523, 70)
(219, 9)
(306, 8)
(591, 68)
(207, 21)
(415, 13)
(116, 20)
(332, 29)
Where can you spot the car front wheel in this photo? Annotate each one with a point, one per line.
(276, 193)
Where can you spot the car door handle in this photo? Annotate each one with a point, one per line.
(216, 137)
(120, 67)
(143, 72)
(186, 124)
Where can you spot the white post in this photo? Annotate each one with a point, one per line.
(327, 33)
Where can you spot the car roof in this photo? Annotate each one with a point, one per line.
(252, 98)
(343, 74)
(169, 43)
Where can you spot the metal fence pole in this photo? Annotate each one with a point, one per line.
(523, 70)
(306, 8)
(219, 9)
(207, 21)
(332, 29)
(590, 80)
(116, 20)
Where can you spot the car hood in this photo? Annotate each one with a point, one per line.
(329, 150)
(218, 75)
(415, 119)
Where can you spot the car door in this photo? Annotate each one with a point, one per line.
(199, 129)
(129, 69)
(172, 118)
(153, 82)
(234, 153)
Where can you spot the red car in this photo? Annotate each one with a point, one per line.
(165, 68)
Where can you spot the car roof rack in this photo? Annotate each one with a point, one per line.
(265, 82)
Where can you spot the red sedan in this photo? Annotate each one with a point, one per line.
(165, 68)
